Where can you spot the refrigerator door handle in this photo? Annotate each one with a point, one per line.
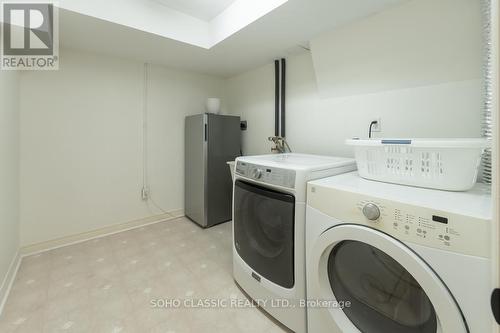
(206, 132)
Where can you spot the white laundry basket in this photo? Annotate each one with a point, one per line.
(446, 164)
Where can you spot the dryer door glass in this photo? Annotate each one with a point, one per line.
(264, 231)
(384, 297)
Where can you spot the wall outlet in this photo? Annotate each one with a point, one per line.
(243, 125)
(378, 126)
(144, 193)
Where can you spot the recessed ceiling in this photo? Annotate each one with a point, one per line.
(203, 9)
(158, 17)
(271, 36)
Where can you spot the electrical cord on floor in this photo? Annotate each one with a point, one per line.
(371, 127)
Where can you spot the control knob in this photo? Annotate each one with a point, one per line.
(371, 211)
(257, 173)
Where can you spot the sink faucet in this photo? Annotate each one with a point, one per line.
(280, 145)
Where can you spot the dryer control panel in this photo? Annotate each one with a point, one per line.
(268, 175)
(411, 223)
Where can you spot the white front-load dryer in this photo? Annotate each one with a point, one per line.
(384, 258)
(269, 201)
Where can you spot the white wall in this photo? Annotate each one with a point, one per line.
(9, 172)
(81, 143)
(316, 124)
(418, 43)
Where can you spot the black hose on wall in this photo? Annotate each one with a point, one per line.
(276, 98)
(283, 87)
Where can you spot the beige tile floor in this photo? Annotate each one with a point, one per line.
(108, 284)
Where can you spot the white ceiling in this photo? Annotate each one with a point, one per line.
(274, 35)
(158, 18)
(203, 9)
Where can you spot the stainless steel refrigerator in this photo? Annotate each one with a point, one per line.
(210, 142)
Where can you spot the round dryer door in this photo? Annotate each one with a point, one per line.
(384, 286)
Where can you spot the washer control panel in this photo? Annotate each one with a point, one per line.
(268, 175)
(420, 225)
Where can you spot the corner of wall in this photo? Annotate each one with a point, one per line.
(9, 178)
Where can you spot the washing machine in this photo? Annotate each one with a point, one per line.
(385, 258)
(269, 229)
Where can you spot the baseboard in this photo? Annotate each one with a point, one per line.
(8, 280)
(177, 213)
(79, 238)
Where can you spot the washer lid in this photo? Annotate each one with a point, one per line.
(388, 284)
(295, 161)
